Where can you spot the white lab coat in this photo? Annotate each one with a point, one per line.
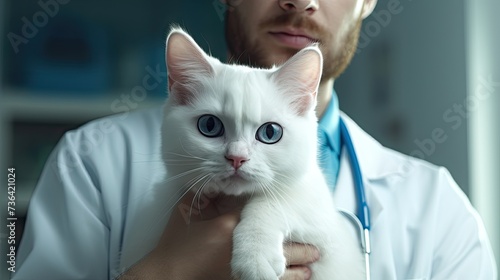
(86, 209)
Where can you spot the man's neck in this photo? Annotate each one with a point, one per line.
(324, 96)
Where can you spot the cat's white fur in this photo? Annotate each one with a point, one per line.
(290, 200)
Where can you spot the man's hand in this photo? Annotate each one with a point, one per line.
(200, 247)
(298, 257)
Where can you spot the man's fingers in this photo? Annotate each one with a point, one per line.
(300, 254)
(297, 273)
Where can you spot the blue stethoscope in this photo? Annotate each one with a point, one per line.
(362, 220)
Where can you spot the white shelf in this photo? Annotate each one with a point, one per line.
(21, 104)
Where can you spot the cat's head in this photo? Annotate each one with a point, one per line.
(236, 129)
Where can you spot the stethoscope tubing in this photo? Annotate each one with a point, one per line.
(363, 215)
(363, 209)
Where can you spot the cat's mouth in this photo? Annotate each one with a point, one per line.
(236, 176)
(233, 184)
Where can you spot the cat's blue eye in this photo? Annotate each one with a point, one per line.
(210, 126)
(269, 133)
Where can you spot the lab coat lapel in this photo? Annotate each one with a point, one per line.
(374, 159)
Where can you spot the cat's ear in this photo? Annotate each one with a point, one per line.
(299, 78)
(186, 63)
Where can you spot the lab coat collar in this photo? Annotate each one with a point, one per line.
(371, 153)
(375, 164)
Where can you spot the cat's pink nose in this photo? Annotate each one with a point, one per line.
(236, 161)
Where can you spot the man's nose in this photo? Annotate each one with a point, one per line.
(299, 5)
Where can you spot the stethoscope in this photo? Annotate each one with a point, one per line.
(362, 219)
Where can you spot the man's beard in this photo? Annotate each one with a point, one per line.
(252, 54)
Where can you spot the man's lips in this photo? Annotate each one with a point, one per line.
(296, 41)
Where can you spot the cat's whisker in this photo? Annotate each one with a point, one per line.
(298, 206)
(252, 194)
(198, 194)
(179, 164)
(184, 189)
(280, 209)
(201, 192)
(182, 174)
(182, 160)
(187, 186)
(189, 156)
(279, 174)
(267, 189)
(147, 161)
(278, 192)
(283, 193)
(165, 212)
(190, 185)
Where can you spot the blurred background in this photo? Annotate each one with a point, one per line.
(424, 81)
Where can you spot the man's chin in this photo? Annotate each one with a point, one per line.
(279, 58)
(263, 54)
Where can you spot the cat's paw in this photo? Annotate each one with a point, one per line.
(255, 265)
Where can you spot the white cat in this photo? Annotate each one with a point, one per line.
(246, 131)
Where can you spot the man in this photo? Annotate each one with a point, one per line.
(423, 227)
